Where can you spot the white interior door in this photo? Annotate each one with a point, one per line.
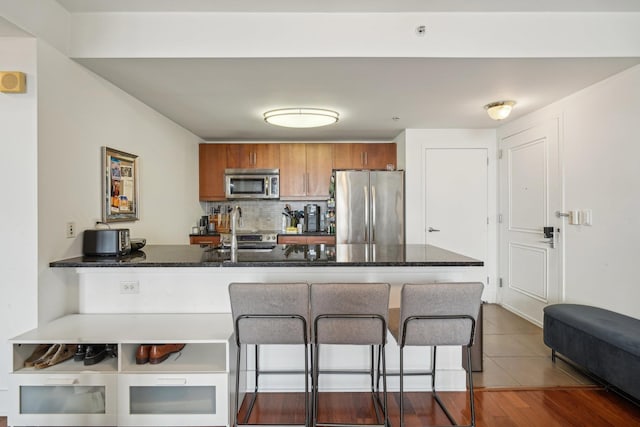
(530, 196)
(456, 194)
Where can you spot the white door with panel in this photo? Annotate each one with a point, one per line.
(530, 196)
(456, 200)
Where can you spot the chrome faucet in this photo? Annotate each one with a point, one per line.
(236, 214)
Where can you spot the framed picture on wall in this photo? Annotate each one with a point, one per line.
(120, 197)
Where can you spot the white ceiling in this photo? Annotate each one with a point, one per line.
(223, 99)
(348, 6)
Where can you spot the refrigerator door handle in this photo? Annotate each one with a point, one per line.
(373, 214)
(366, 213)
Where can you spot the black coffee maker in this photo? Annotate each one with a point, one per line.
(311, 218)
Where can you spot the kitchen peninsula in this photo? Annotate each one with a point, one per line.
(193, 279)
(178, 294)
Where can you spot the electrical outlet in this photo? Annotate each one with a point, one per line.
(71, 230)
(129, 287)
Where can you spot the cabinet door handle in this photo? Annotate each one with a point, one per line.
(61, 381)
(171, 381)
(366, 158)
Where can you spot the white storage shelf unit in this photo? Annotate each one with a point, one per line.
(191, 387)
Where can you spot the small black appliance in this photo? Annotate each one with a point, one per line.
(312, 218)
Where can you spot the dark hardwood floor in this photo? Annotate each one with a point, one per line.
(545, 407)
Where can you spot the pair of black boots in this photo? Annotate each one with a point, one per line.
(94, 353)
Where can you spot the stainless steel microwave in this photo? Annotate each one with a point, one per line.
(252, 183)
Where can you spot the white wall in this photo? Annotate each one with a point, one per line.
(413, 144)
(19, 212)
(601, 144)
(78, 113)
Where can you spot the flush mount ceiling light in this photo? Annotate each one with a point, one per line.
(301, 117)
(499, 110)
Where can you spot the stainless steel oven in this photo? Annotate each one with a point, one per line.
(252, 183)
(251, 240)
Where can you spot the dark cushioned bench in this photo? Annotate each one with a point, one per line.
(603, 342)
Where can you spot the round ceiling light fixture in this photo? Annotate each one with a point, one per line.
(499, 110)
(301, 117)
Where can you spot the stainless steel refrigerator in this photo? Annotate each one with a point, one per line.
(369, 207)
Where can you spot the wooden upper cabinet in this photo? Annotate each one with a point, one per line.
(364, 156)
(319, 167)
(212, 163)
(342, 157)
(305, 170)
(292, 170)
(253, 156)
(378, 156)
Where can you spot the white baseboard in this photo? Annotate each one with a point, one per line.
(4, 403)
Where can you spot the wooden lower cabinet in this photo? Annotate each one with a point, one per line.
(204, 240)
(301, 239)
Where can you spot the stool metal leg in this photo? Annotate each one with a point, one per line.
(237, 393)
(402, 386)
(307, 405)
(375, 397)
(470, 377)
(314, 368)
(255, 386)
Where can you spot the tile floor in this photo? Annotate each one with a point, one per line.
(514, 355)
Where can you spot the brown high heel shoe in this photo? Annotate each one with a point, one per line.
(61, 353)
(40, 350)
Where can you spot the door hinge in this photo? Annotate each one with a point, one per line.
(499, 154)
(487, 161)
(499, 218)
(500, 282)
(488, 280)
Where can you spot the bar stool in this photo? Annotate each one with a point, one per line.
(434, 314)
(270, 313)
(351, 314)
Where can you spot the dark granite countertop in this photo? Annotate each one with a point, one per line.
(355, 255)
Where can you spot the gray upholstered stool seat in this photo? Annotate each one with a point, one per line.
(270, 313)
(603, 342)
(351, 314)
(435, 314)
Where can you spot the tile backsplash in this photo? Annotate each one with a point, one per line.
(262, 214)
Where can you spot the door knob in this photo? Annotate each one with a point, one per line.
(432, 230)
